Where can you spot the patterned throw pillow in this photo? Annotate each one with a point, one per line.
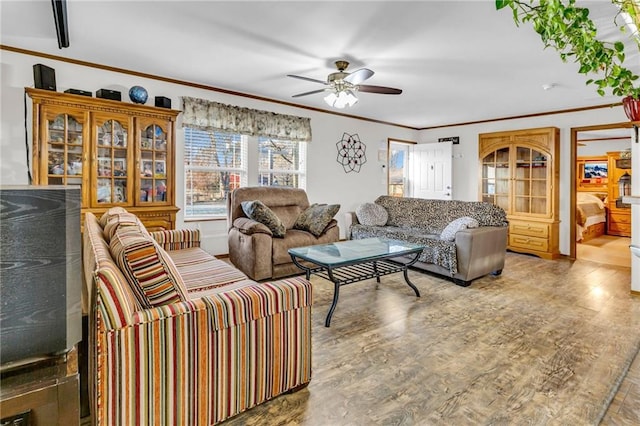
(372, 214)
(449, 232)
(316, 218)
(257, 211)
(106, 215)
(117, 220)
(152, 276)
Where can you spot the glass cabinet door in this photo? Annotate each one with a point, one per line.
(153, 163)
(63, 140)
(531, 174)
(112, 163)
(495, 178)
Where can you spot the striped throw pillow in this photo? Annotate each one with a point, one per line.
(121, 219)
(151, 273)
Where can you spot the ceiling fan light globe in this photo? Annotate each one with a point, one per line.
(330, 99)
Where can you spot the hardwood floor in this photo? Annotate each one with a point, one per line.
(456, 354)
(606, 249)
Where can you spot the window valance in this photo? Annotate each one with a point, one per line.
(213, 116)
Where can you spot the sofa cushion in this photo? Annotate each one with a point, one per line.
(257, 211)
(315, 218)
(116, 220)
(372, 214)
(106, 215)
(151, 273)
(201, 271)
(449, 232)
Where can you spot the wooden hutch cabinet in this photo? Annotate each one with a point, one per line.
(519, 171)
(121, 154)
(618, 213)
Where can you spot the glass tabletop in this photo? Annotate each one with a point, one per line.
(350, 251)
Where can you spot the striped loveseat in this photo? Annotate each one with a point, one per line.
(178, 337)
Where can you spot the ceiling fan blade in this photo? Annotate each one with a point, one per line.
(359, 76)
(308, 93)
(307, 78)
(379, 89)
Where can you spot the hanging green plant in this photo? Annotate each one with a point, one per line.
(568, 29)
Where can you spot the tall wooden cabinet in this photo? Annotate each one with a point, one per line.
(121, 154)
(519, 171)
(618, 213)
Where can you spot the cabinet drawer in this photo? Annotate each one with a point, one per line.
(620, 218)
(526, 242)
(620, 228)
(529, 228)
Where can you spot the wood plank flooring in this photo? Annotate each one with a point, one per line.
(606, 249)
(388, 355)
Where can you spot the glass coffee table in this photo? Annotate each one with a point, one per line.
(347, 262)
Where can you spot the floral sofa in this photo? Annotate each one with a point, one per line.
(180, 337)
(463, 240)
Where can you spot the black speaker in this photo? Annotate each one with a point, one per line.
(41, 270)
(44, 77)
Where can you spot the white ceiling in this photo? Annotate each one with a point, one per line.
(456, 61)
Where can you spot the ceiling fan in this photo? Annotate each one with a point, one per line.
(342, 86)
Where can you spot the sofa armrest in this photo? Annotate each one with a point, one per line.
(481, 250)
(177, 239)
(249, 226)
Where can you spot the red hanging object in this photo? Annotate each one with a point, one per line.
(631, 108)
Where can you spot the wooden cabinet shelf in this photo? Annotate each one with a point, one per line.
(519, 171)
(121, 154)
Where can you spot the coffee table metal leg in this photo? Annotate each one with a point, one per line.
(406, 278)
(405, 271)
(336, 294)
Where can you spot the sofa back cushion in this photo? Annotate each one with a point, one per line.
(433, 216)
(151, 273)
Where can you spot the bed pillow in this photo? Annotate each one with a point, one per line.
(315, 218)
(372, 214)
(449, 232)
(257, 211)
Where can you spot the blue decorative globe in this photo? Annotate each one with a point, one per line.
(138, 94)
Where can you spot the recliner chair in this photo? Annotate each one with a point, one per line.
(252, 247)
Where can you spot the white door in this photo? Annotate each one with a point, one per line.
(431, 171)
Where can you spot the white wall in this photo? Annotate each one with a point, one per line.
(326, 180)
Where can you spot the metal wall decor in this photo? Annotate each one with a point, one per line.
(351, 152)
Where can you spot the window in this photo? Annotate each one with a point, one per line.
(216, 163)
(398, 170)
(281, 163)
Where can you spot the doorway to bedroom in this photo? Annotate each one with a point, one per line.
(602, 170)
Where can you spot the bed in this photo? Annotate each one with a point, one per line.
(591, 216)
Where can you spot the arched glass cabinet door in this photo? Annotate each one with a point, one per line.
(496, 178)
(64, 139)
(153, 162)
(112, 165)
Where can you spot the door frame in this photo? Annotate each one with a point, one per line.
(574, 161)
